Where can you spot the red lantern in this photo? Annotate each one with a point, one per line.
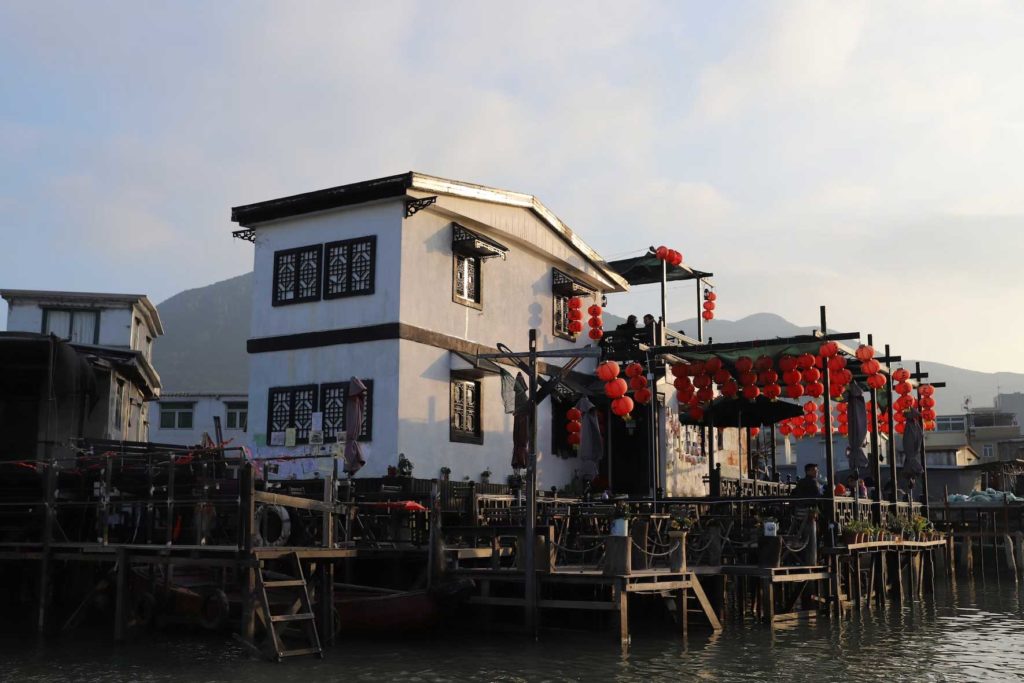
(744, 364)
(696, 413)
(712, 365)
(680, 370)
(696, 368)
(642, 395)
(637, 382)
(794, 390)
(804, 361)
(836, 363)
(763, 363)
(722, 376)
(927, 402)
(573, 414)
(661, 252)
(814, 389)
(729, 388)
(572, 427)
(616, 388)
(709, 305)
(682, 383)
(843, 417)
(705, 395)
(811, 430)
(709, 295)
(810, 418)
(595, 323)
(707, 315)
(810, 407)
(787, 364)
(595, 310)
(836, 390)
(811, 375)
(747, 379)
(676, 258)
(595, 333)
(607, 371)
(903, 388)
(573, 438)
(844, 429)
(622, 406)
(766, 377)
(791, 377)
(785, 429)
(798, 432)
(876, 381)
(684, 395)
(772, 391)
(864, 352)
(575, 327)
(928, 414)
(926, 390)
(900, 427)
(754, 431)
(870, 366)
(575, 314)
(575, 303)
(634, 369)
(900, 375)
(751, 392)
(828, 349)
(702, 381)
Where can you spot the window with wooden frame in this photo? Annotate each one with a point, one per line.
(334, 406)
(291, 407)
(297, 275)
(560, 317)
(77, 325)
(350, 267)
(466, 280)
(176, 415)
(465, 411)
(237, 414)
(563, 288)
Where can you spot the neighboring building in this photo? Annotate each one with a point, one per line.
(400, 281)
(184, 418)
(1012, 404)
(75, 365)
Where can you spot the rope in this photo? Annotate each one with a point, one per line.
(575, 550)
(706, 545)
(650, 554)
(794, 549)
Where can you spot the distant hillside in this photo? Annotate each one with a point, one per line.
(204, 347)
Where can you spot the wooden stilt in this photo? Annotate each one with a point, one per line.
(120, 606)
(622, 601)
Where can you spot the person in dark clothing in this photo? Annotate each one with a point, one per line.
(808, 487)
(647, 331)
(628, 327)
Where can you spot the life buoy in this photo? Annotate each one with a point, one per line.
(215, 610)
(265, 523)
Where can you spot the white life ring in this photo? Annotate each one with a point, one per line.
(283, 519)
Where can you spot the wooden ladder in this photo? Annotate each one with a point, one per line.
(299, 611)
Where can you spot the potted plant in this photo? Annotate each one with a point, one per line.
(620, 520)
(485, 476)
(446, 473)
(404, 466)
(920, 526)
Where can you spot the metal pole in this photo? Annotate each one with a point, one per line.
(876, 464)
(775, 468)
(891, 441)
(700, 320)
(664, 304)
(530, 573)
(830, 465)
(924, 451)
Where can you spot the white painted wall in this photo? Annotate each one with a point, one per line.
(383, 219)
(115, 322)
(204, 409)
(377, 361)
(423, 429)
(24, 317)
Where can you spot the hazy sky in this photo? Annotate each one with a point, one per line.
(867, 156)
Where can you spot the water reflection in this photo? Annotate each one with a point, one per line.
(971, 633)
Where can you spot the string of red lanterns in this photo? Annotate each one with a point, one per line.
(670, 256)
(709, 305)
(573, 425)
(596, 323)
(575, 315)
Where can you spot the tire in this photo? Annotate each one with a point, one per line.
(215, 610)
(271, 516)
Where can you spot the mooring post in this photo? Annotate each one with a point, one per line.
(247, 514)
(45, 560)
(120, 593)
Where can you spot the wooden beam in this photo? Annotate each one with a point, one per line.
(291, 501)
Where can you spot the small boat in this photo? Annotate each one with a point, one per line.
(362, 609)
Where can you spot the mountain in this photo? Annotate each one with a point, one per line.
(206, 329)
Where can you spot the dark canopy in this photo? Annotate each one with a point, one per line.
(739, 412)
(646, 270)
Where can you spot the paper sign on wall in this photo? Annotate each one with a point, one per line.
(276, 438)
(318, 423)
(289, 436)
(316, 437)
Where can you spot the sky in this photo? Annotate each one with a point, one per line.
(862, 155)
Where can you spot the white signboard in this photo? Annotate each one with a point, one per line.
(276, 438)
(318, 424)
(316, 437)
(289, 436)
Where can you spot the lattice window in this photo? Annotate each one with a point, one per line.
(467, 279)
(297, 275)
(465, 411)
(560, 317)
(292, 407)
(334, 405)
(351, 266)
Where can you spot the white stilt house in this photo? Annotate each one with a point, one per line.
(400, 282)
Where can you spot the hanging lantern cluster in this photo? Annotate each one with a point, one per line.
(596, 323)
(670, 256)
(870, 367)
(842, 418)
(573, 425)
(638, 383)
(575, 315)
(709, 305)
(926, 401)
(839, 376)
(615, 388)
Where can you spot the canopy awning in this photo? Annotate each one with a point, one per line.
(739, 412)
(646, 270)
(566, 285)
(469, 243)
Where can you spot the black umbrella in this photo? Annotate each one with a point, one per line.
(739, 412)
(646, 269)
